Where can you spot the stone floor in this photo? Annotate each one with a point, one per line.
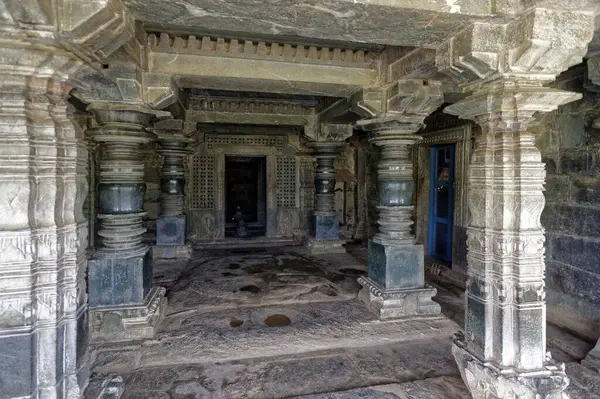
(278, 323)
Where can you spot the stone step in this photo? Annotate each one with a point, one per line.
(310, 373)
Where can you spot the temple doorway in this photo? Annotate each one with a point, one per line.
(441, 202)
(245, 196)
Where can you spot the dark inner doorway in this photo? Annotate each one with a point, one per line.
(245, 188)
(441, 203)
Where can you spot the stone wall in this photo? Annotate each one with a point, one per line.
(570, 147)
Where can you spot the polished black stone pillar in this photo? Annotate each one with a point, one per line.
(123, 302)
(325, 235)
(170, 226)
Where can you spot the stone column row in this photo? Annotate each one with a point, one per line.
(123, 302)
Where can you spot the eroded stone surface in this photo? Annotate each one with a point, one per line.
(257, 279)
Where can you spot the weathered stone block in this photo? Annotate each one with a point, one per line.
(388, 304)
(326, 227)
(558, 188)
(571, 220)
(320, 247)
(125, 323)
(119, 281)
(397, 266)
(586, 190)
(170, 230)
(15, 365)
(582, 253)
(575, 161)
(171, 252)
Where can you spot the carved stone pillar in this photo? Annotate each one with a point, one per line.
(123, 302)
(395, 286)
(503, 350)
(325, 235)
(43, 232)
(170, 226)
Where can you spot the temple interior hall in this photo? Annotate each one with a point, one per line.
(326, 199)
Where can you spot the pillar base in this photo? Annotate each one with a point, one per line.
(170, 230)
(128, 323)
(171, 252)
(396, 267)
(486, 381)
(326, 227)
(592, 360)
(320, 247)
(388, 304)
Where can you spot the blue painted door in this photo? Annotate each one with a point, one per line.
(441, 202)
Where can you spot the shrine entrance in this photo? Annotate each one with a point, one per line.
(245, 195)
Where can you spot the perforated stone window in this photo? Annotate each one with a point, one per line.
(286, 181)
(202, 182)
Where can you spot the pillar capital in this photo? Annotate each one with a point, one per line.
(509, 105)
(401, 107)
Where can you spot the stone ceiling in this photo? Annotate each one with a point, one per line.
(400, 23)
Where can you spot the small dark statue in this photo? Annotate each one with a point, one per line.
(240, 230)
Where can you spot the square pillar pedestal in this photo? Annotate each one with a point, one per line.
(123, 303)
(170, 239)
(396, 283)
(326, 236)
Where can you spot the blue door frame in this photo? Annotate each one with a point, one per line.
(441, 202)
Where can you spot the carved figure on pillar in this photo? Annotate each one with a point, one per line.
(171, 229)
(503, 347)
(123, 302)
(395, 286)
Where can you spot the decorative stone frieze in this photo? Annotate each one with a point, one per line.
(504, 343)
(281, 52)
(395, 286)
(43, 230)
(122, 257)
(174, 147)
